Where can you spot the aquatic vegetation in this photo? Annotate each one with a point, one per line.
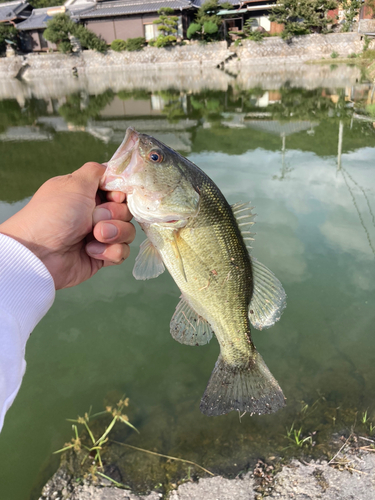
(95, 447)
(296, 437)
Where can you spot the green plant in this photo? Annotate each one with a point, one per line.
(370, 108)
(118, 45)
(7, 33)
(334, 55)
(206, 25)
(95, 445)
(366, 42)
(351, 10)
(193, 29)
(167, 25)
(59, 29)
(368, 54)
(256, 36)
(137, 43)
(302, 16)
(352, 55)
(295, 436)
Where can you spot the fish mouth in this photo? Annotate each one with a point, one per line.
(123, 164)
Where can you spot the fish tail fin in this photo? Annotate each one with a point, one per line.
(251, 389)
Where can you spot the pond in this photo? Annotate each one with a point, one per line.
(303, 152)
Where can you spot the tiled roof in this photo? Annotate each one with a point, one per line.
(40, 17)
(198, 3)
(11, 10)
(127, 7)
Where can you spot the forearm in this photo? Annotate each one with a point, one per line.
(27, 291)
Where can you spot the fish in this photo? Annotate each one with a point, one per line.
(205, 244)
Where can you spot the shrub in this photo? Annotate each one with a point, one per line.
(193, 29)
(368, 54)
(210, 28)
(7, 33)
(353, 55)
(256, 36)
(164, 41)
(61, 26)
(334, 55)
(135, 43)
(118, 45)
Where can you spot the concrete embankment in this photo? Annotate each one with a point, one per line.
(295, 481)
(193, 56)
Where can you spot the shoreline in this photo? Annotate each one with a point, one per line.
(349, 474)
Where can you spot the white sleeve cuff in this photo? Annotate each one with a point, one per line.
(27, 289)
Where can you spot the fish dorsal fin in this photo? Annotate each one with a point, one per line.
(269, 297)
(245, 220)
(187, 327)
(148, 263)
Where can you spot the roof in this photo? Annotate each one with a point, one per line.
(40, 17)
(128, 7)
(12, 10)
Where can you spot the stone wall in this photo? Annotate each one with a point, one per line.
(195, 55)
(299, 49)
(367, 26)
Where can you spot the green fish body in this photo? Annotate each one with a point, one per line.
(204, 244)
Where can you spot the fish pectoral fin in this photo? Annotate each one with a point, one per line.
(178, 254)
(245, 220)
(187, 327)
(269, 297)
(148, 263)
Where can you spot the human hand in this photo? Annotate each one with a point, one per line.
(70, 230)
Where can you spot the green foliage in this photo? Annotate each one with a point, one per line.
(167, 25)
(39, 4)
(256, 36)
(138, 95)
(118, 45)
(7, 33)
(210, 28)
(79, 113)
(352, 55)
(61, 26)
(334, 55)
(368, 54)
(302, 16)
(193, 29)
(137, 43)
(351, 10)
(366, 40)
(207, 22)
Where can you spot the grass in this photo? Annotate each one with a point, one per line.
(94, 449)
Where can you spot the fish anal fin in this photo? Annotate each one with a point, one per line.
(148, 263)
(269, 297)
(187, 327)
(245, 220)
(251, 389)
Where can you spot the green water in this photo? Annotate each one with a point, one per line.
(305, 157)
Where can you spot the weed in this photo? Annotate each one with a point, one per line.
(334, 55)
(368, 54)
(95, 447)
(366, 43)
(352, 55)
(296, 438)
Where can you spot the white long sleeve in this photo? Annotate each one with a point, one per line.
(27, 291)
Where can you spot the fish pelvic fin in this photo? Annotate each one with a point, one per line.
(251, 389)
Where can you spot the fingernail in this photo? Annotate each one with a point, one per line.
(95, 247)
(109, 231)
(101, 214)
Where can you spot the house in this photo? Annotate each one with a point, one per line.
(14, 12)
(31, 30)
(112, 19)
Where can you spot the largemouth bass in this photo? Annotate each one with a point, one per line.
(204, 243)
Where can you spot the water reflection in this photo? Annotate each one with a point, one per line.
(304, 155)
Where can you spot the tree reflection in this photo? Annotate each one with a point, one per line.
(79, 108)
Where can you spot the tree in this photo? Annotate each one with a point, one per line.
(207, 21)
(167, 26)
(301, 17)
(61, 26)
(351, 10)
(7, 32)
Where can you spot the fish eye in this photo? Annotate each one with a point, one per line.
(155, 156)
